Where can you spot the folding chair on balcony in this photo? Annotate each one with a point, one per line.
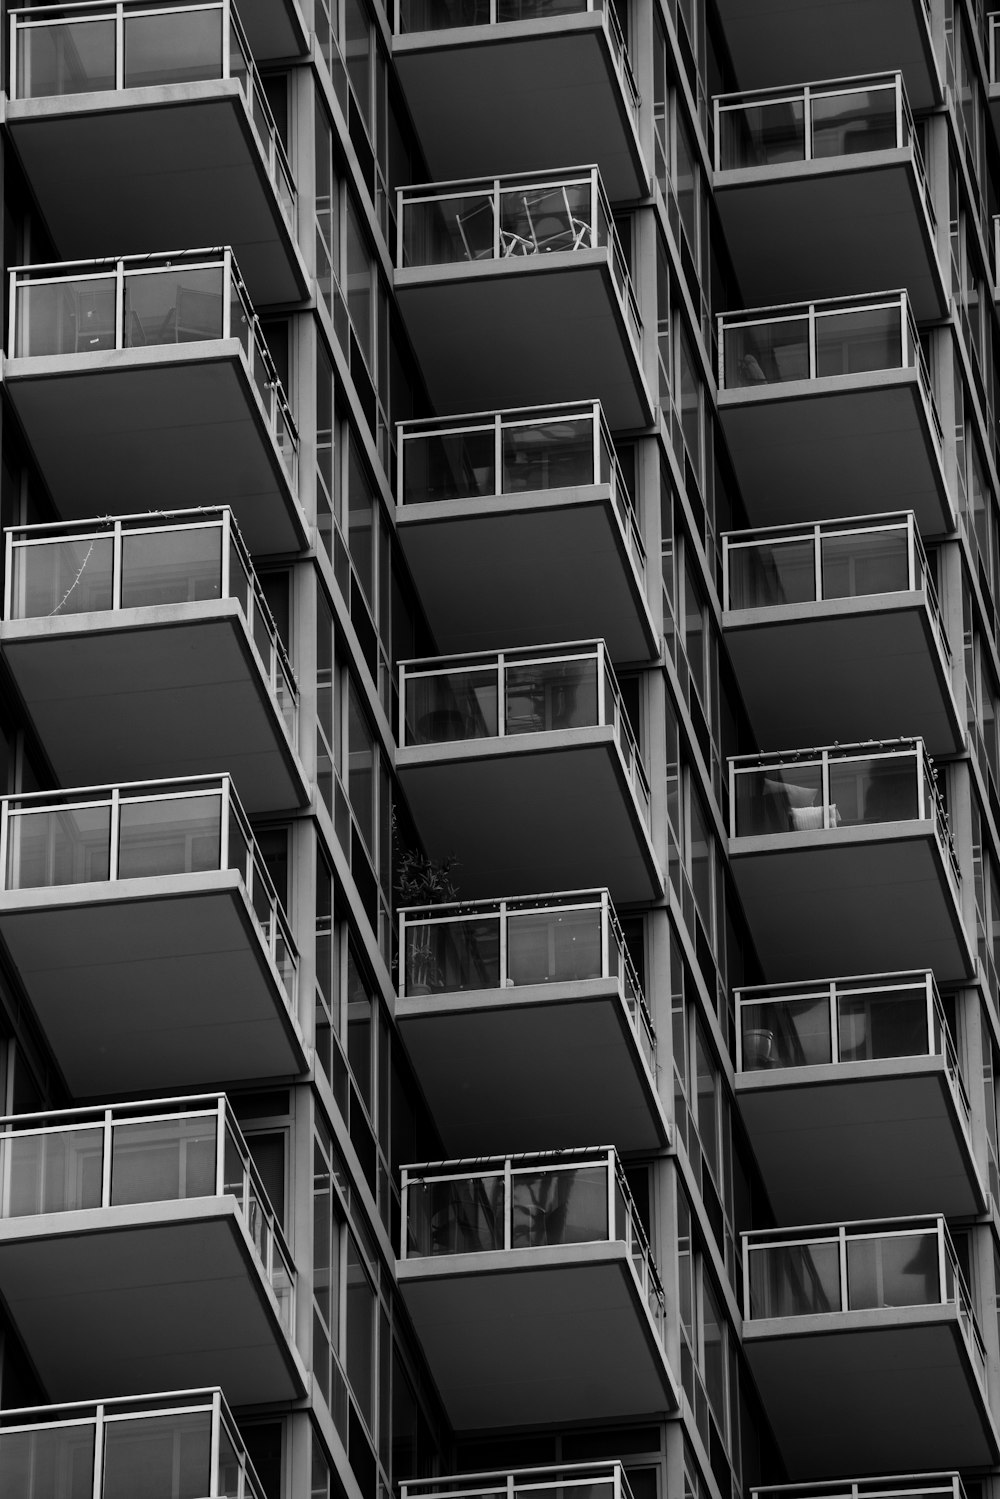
(553, 224)
(476, 229)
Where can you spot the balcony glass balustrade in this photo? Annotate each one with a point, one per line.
(144, 301)
(185, 1445)
(858, 1267)
(530, 450)
(553, 939)
(503, 694)
(903, 1486)
(571, 1481)
(54, 571)
(58, 50)
(444, 15)
(142, 831)
(503, 218)
(165, 1150)
(527, 1202)
(823, 340)
(818, 122)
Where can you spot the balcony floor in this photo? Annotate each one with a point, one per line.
(133, 429)
(544, 1066)
(847, 670)
(158, 1296)
(831, 228)
(142, 986)
(148, 170)
(821, 1379)
(523, 569)
(555, 1335)
(870, 899)
(528, 94)
(860, 1140)
(814, 450)
(532, 330)
(544, 811)
(140, 694)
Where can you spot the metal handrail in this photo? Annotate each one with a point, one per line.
(519, 1481)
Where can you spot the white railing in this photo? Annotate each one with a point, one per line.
(500, 944)
(142, 830)
(836, 559)
(87, 47)
(180, 556)
(522, 451)
(596, 1480)
(111, 1156)
(526, 1202)
(872, 1266)
(102, 1445)
(901, 1486)
(141, 301)
(500, 218)
(838, 787)
(499, 694)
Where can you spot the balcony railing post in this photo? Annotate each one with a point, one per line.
(496, 219)
(404, 1211)
(15, 320)
(119, 46)
(498, 454)
(226, 34)
(842, 1260)
(807, 121)
(605, 936)
(107, 1142)
(923, 811)
(114, 834)
(508, 1203)
(745, 1255)
(98, 1452)
(220, 1147)
(119, 304)
(595, 416)
(4, 836)
(904, 333)
(224, 850)
(931, 1017)
(14, 79)
(116, 566)
(227, 286)
(943, 1267)
(818, 563)
(825, 772)
(812, 340)
(717, 123)
(503, 945)
(594, 218)
(8, 588)
(726, 564)
(226, 581)
(402, 706)
(834, 1023)
(612, 1225)
(215, 1444)
(602, 706)
(911, 551)
(501, 696)
(900, 142)
(732, 800)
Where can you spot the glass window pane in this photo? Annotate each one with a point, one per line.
(163, 1160)
(158, 1457)
(176, 566)
(181, 835)
(173, 47)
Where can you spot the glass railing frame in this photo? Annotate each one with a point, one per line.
(100, 1414)
(919, 576)
(251, 870)
(277, 410)
(514, 1483)
(828, 88)
(993, 52)
(930, 803)
(255, 99)
(455, 912)
(215, 1106)
(276, 670)
(531, 416)
(917, 979)
(610, 715)
(511, 182)
(893, 1486)
(882, 1228)
(632, 1233)
(911, 352)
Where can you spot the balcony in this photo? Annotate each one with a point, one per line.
(906, 1486)
(771, 42)
(827, 407)
(525, 766)
(143, 125)
(517, 287)
(536, 1271)
(143, 647)
(501, 64)
(535, 496)
(850, 608)
(148, 937)
(535, 1005)
(569, 1481)
(151, 377)
(138, 1247)
(865, 1348)
(106, 1446)
(822, 191)
(843, 857)
(852, 1097)
(993, 57)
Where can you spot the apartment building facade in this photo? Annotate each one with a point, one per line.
(485, 1009)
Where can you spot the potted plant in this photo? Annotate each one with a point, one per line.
(419, 880)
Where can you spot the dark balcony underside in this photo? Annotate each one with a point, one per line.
(553, 1336)
(531, 96)
(548, 811)
(148, 693)
(275, 29)
(772, 42)
(831, 229)
(876, 1399)
(138, 993)
(530, 331)
(524, 569)
(547, 1066)
(153, 169)
(133, 1300)
(860, 1140)
(849, 670)
(126, 431)
(866, 900)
